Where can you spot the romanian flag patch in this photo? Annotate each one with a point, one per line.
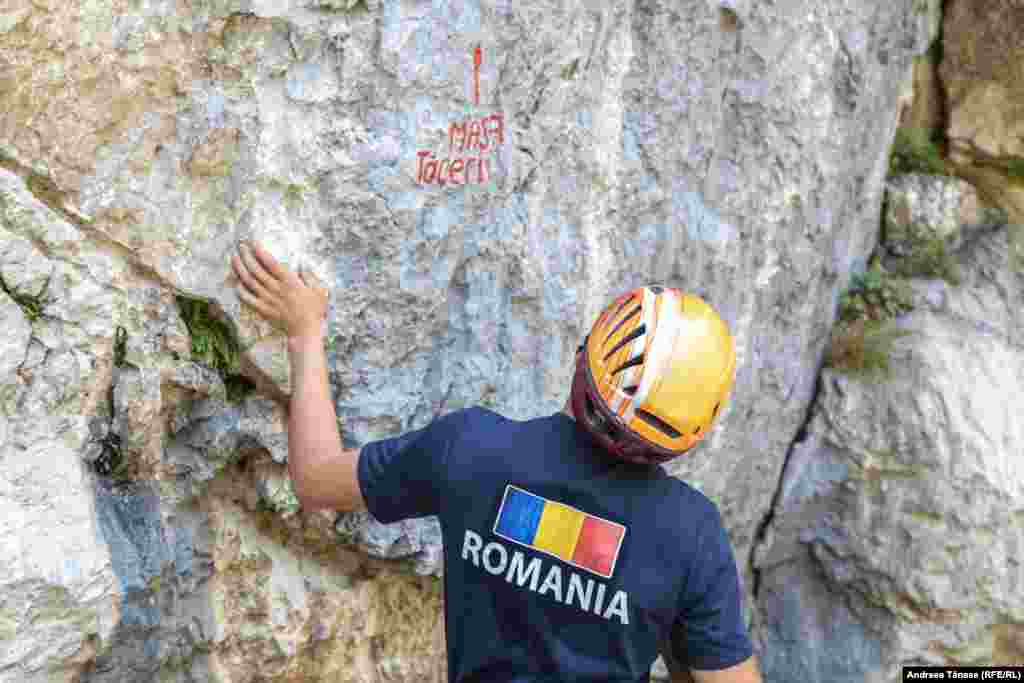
(571, 535)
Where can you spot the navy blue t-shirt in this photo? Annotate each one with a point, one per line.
(561, 563)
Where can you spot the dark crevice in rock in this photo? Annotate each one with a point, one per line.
(527, 182)
(110, 464)
(940, 86)
(766, 521)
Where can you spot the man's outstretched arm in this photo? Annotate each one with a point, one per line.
(323, 473)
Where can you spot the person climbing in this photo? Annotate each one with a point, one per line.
(569, 552)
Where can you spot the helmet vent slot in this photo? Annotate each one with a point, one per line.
(621, 308)
(619, 324)
(631, 390)
(629, 363)
(625, 340)
(657, 423)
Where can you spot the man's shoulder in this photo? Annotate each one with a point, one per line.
(479, 412)
(472, 415)
(457, 423)
(698, 506)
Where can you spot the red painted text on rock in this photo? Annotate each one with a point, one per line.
(468, 142)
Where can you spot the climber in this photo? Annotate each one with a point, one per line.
(569, 552)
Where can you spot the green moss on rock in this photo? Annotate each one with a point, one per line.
(915, 151)
(929, 258)
(863, 347)
(875, 295)
(31, 306)
(215, 344)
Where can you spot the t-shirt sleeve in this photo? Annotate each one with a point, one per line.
(406, 476)
(709, 633)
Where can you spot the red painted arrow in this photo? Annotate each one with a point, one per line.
(477, 59)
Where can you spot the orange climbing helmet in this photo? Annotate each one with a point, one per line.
(652, 374)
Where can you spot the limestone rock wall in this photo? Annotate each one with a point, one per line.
(980, 77)
(734, 149)
(898, 535)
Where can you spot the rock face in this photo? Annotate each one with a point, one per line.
(471, 227)
(981, 73)
(921, 208)
(982, 78)
(898, 535)
(57, 578)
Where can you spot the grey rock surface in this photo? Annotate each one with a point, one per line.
(898, 535)
(733, 150)
(215, 434)
(56, 581)
(920, 208)
(415, 539)
(14, 342)
(162, 561)
(23, 269)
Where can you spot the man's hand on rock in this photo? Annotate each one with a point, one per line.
(295, 303)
